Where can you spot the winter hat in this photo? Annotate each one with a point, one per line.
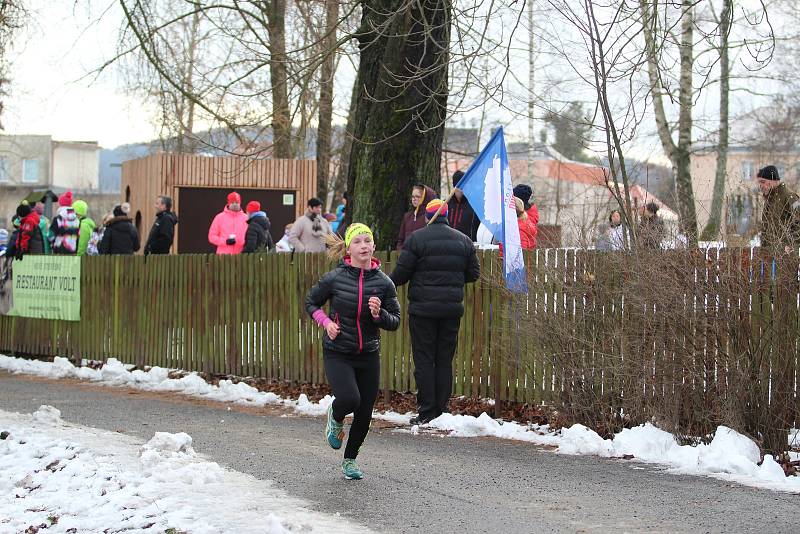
(80, 207)
(458, 175)
(65, 200)
(23, 210)
(770, 172)
(233, 196)
(122, 210)
(433, 207)
(524, 193)
(330, 217)
(252, 206)
(3, 236)
(354, 230)
(39, 208)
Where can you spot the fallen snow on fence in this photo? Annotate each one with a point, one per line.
(69, 478)
(730, 455)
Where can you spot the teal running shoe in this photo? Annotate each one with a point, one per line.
(351, 470)
(334, 432)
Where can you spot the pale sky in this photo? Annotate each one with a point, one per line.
(53, 91)
(63, 44)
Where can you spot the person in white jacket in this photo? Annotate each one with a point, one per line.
(283, 245)
(616, 232)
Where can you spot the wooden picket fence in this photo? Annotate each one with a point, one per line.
(244, 315)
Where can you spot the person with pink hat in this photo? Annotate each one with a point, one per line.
(229, 227)
(65, 228)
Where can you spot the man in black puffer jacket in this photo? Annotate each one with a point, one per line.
(438, 261)
(163, 231)
(257, 238)
(120, 236)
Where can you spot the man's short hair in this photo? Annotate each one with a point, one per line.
(652, 207)
(314, 202)
(167, 201)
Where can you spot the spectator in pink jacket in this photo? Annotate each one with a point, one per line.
(229, 227)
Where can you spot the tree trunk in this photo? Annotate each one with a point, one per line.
(713, 228)
(400, 109)
(186, 135)
(343, 172)
(281, 117)
(327, 72)
(531, 97)
(680, 153)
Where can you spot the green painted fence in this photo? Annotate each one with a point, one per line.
(572, 339)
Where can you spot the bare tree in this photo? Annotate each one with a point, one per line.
(12, 17)
(712, 228)
(679, 153)
(327, 71)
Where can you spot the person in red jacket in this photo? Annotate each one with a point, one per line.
(524, 193)
(29, 237)
(414, 219)
(527, 232)
(229, 227)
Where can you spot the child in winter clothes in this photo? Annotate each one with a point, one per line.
(257, 237)
(29, 237)
(65, 228)
(3, 241)
(283, 245)
(97, 236)
(87, 226)
(362, 300)
(44, 226)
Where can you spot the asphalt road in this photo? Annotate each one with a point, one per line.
(425, 483)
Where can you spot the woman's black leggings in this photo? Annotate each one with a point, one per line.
(354, 380)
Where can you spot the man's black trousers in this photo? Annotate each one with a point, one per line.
(433, 341)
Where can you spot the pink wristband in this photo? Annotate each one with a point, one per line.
(321, 318)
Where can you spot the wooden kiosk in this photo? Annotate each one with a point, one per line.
(199, 186)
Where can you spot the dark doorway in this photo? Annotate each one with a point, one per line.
(199, 206)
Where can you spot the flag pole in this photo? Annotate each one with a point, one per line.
(453, 192)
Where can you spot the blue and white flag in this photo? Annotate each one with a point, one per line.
(487, 185)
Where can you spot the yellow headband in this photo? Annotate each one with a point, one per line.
(354, 230)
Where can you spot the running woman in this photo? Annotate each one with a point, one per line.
(362, 300)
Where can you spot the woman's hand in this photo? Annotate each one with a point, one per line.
(333, 330)
(375, 307)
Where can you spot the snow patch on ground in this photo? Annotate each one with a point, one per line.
(730, 455)
(115, 373)
(122, 484)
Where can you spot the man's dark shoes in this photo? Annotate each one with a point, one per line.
(420, 420)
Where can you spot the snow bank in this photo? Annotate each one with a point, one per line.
(730, 455)
(125, 485)
(115, 373)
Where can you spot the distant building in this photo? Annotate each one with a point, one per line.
(751, 146)
(573, 198)
(37, 162)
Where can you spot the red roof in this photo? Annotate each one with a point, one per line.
(554, 169)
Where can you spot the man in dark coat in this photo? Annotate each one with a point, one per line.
(120, 236)
(163, 231)
(460, 213)
(257, 238)
(780, 221)
(438, 261)
(651, 227)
